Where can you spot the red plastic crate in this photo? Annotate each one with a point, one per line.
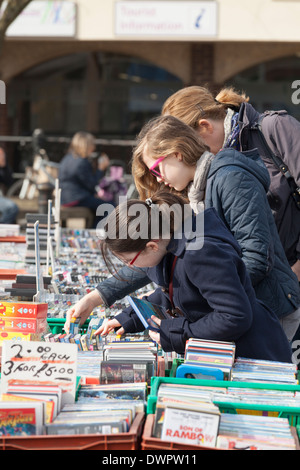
(122, 441)
(153, 443)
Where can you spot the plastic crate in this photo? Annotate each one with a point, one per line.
(154, 443)
(292, 413)
(121, 441)
(56, 325)
(176, 363)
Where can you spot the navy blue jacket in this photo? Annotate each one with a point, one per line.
(77, 179)
(237, 188)
(214, 293)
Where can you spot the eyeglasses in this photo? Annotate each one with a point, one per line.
(130, 263)
(135, 258)
(152, 168)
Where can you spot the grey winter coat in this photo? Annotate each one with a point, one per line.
(282, 133)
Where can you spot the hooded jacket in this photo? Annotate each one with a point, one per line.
(282, 133)
(212, 289)
(237, 188)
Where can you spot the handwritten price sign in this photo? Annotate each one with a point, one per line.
(40, 363)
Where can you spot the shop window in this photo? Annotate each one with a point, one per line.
(269, 85)
(107, 94)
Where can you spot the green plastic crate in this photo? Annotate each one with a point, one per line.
(176, 363)
(56, 325)
(292, 413)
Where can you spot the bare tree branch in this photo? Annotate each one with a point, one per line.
(11, 12)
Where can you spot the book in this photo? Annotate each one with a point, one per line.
(145, 310)
(42, 392)
(183, 395)
(250, 432)
(89, 426)
(31, 279)
(128, 391)
(15, 336)
(23, 325)
(49, 408)
(127, 371)
(253, 370)
(21, 418)
(210, 354)
(185, 425)
(28, 310)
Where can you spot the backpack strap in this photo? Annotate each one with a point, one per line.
(295, 190)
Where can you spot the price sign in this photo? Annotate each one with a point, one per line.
(40, 363)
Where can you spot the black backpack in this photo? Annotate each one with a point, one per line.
(295, 189)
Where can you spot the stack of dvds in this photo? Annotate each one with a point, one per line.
(252, 396)
(129, 391)
(182, 410)
(253, 370)
(26, 409)
(244, 432)
(99, 420)
(86, 341)
(25, 286)
(100, 410)
(209, 355)
(236, 430)
(88, 366)
(128, 361)
(37, 410)
(22, 320)
(30, 256)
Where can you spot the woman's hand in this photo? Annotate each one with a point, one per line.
(109, 325)
(296, 269)
(155, 335)
(83, 308)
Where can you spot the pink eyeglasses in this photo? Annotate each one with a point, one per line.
(152, 168)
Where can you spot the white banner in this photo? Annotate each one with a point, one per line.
(45, 19)
(163, 18)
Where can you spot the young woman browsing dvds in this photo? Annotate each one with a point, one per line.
(170, 154)
(201, 276)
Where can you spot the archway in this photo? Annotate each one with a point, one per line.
(109, 94)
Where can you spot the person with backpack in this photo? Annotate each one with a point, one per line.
(171, 153)
(230, 121)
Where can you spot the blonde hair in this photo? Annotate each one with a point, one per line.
(192, 103)
(163, 135)
(81, 144)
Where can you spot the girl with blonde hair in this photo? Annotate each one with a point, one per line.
(230, 121)
(77, 177)
(180, 155)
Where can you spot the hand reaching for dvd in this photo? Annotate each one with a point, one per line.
(154, 334)
(83, 308)
(108, 326)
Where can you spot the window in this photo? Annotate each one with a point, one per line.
(269, 85)
(107, 94)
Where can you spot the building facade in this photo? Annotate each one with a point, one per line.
(107, 66)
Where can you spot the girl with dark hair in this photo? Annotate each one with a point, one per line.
(201, 276)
